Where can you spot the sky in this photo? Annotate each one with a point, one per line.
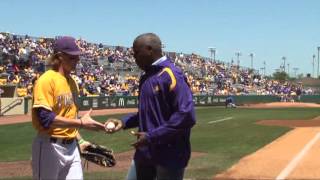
(270, 29)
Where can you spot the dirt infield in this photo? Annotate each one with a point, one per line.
(276, 158)
(292, 123)
(282, 105)
(294, 155)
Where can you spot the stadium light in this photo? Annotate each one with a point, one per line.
(212, 51)
(313, 63)
(264, 67)
(284, 63)
(251, 57)
(231, 62)
(238, 60)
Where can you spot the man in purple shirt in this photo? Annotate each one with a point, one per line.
(165, 114)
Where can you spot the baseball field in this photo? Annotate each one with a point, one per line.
(226, 144)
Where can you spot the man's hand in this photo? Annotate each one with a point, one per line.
(84, 145)
(89, 123)
(118, 125)
(141, 139)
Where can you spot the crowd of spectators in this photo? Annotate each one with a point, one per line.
(108, 70)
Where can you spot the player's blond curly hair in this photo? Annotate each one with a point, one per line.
(54, 62)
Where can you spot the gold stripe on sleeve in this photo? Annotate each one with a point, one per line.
(173, 78)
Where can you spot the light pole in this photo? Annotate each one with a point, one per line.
(288, 69)
(284, 63)
(238, 60)
(251, 56)
(313, 63)
(318, 61)
(295, 72)
(264, 67)
(212, 50)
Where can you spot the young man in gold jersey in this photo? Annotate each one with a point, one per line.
(55, 153)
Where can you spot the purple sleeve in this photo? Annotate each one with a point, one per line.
(46, 117)
(130, 121)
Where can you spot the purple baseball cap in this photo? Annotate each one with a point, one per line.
(67, 45)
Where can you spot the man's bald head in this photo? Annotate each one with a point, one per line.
(147, 49)
(149, 39)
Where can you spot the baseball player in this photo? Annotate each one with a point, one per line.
(55, 153)
(230, 102)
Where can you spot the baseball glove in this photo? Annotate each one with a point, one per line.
(99, 155)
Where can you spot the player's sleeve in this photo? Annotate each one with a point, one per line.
(43, 94)
(46, 117)
(131, 121)
(183, 117)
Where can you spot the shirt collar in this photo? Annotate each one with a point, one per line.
(160, 60)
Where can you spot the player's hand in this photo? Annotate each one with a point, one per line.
(84, 145)
(118, 125)
(89, 123)
(141, 139)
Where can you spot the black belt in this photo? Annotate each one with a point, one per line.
(61, 140)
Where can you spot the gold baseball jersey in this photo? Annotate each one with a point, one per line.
(56, 93)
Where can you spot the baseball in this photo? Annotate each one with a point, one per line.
(110, 125)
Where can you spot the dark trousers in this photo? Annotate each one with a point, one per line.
(151, 172)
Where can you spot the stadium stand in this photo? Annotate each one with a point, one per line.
(111, 70)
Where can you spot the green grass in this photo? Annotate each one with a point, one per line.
(224, 143)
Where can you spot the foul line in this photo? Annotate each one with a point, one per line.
(284, 173)
(219, 120)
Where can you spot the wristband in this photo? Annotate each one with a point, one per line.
(81, 141)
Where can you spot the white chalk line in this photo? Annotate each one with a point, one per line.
(220, 120)
(294, 162)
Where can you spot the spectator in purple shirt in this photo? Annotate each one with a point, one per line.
(165, 114)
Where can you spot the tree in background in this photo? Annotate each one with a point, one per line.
(280, 76)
